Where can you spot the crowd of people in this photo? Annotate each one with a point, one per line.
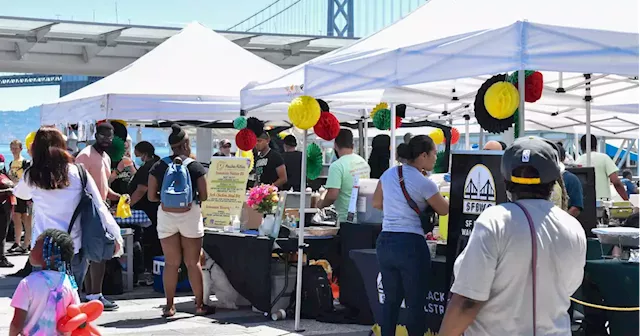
(40, 197)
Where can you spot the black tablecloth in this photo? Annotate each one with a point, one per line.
(367, 264)
(246, 260)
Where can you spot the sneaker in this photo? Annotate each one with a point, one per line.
(20, 250)
(108, 305)
(13, 248)
(146, 279)
(5, 263)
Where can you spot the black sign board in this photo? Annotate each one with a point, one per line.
(588, 217)
(476, 184)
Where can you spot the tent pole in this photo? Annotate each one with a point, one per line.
(587, 99)
(303, 194)
(521, 111)
(467, 140)
(366, 134)
(392, 158)
(360, 138)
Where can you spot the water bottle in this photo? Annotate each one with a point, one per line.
(235, 224)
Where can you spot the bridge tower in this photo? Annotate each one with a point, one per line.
(340, 18)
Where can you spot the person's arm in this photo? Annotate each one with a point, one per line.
(574, 191)
(138, 194)
(282, 176)
(202, 188)
(612, 171)
(461, 312)
(439, 204)
(574, 211)
(377, 196)
(22, 190)
(474, 272)
(333, 185)
(152, 189)
(17, 323)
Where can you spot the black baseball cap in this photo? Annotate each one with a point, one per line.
(535, 152)
(290, 140)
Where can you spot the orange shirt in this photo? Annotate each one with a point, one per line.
(98, 166)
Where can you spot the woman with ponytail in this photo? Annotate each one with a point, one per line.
(403, 193)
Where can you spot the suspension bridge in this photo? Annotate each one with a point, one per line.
(334, 18)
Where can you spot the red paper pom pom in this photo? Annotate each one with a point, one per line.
(398, 122)
(455, 135)
(246, 139)
(533, 87)
(327, 127)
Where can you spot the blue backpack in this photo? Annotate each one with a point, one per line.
(176, 194)
(97, 244)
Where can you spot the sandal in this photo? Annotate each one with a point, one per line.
(168, 311)
(205, 310)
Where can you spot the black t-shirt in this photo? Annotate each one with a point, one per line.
(141, 178)
(196, 170)
(293, 162)
(266, 172)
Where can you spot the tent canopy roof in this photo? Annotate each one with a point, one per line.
(196, 74)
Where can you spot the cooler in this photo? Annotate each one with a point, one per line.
(158, 284)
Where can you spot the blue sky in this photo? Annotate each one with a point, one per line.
(217, 14)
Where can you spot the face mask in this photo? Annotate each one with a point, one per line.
(139, 162)
(1, 165)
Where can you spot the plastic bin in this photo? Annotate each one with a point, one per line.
(158, 284)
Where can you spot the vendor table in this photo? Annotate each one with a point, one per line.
(613, 283)
(246, 260)
(127, 236)
(367, 263)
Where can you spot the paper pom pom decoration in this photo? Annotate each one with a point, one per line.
(119, 129)
(247, 155)
(255, 125)
(437, 135)
(382, 119)
(398, 122)
(401, 110)
(485, 120)
(78, 320)
(327, 127)
(501, 100)
(380, 106)
(240, 123)
(304, 112)
(314, 161)
(455, 135)
(282, 135)
(116, 150)
(440, 167)
(28, 141)
(533, 84)
(119, 121)
(323, 105)
(246, 139)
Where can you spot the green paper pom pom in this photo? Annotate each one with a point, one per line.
(513, 77)
(440, 167)
(314, 161)
(116, 150)
(382, 119)
(239, 123)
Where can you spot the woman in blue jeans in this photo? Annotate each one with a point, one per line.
(403, 254)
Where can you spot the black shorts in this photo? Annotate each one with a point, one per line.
(21, 207)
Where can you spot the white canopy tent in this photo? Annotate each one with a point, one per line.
(196, 74)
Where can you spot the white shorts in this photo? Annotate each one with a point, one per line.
(188, 224)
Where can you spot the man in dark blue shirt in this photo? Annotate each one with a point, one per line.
(627, 180)
(573, 185)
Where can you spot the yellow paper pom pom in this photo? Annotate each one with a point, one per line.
(304, 112)
(119, 121)
(437, 135)
(282, 135)
(246, 154)
(381, 106)
(501, 100)
(28, 141)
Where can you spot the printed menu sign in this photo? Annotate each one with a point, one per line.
(226, 183)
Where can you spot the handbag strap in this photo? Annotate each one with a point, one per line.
(83, 180)
(534, 261)
(410, 201)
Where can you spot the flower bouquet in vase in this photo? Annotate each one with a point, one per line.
(264, 199)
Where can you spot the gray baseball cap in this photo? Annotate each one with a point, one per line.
(535, 152)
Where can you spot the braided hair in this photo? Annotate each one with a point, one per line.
(57, 252)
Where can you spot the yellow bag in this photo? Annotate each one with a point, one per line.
(124, 209)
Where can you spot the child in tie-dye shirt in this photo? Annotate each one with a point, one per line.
(42, 298)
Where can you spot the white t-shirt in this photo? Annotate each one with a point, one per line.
(496, 267)
(32, 295)
(55, 208)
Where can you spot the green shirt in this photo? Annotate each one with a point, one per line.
(341, 174)
(604, 167)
